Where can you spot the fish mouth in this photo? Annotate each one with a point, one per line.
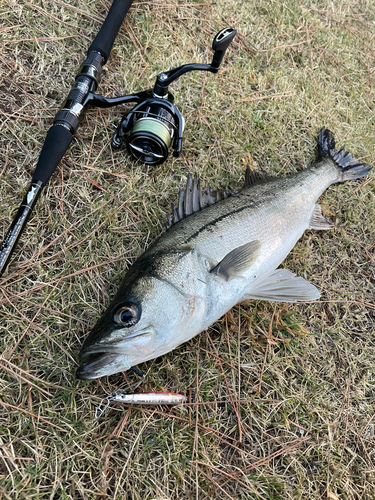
(100, 364)
(107, 359)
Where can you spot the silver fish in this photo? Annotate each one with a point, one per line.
(218, 251)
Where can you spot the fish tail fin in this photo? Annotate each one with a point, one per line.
(348, 167)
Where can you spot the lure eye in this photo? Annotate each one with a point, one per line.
(127, 315)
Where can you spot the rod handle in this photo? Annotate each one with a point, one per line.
(104, 40)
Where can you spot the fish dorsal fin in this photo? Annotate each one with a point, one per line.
(318, 221)
(193, 198)
(281, 285)
(254, 177)
(238, 260)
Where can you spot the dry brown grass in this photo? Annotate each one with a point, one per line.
(281, 397)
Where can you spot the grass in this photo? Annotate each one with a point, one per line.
(281, 397)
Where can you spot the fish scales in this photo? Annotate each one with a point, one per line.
(212, 259)
(250, 215)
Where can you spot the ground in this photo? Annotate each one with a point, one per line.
(281, 396)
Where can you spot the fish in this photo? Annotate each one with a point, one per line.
(218, 250)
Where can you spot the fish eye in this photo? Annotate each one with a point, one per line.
(127, 315)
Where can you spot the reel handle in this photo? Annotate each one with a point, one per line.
(220, 44)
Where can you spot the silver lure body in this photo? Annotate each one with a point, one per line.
(210, 261)
(151, 398)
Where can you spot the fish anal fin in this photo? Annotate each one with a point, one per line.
(238, 260)
(282, 285)
(318, 221)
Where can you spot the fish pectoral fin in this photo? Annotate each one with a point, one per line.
(282, 285)
(238, 260)
(318, 221)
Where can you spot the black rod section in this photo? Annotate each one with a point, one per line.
(19, 222)
(66, 122)
(103, 42)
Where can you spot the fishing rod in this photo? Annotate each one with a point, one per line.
(151, 128)
(66, 122)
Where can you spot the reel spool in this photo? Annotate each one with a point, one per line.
(155, 125)
(151, 138)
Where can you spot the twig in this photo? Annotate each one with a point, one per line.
(266, 353)
(262, 98)
(32, 414)
(267, 459)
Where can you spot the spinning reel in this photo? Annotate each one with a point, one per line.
(155, 125)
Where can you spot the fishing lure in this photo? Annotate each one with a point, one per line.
(151, 398)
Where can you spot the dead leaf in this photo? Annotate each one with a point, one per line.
(332, 496)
